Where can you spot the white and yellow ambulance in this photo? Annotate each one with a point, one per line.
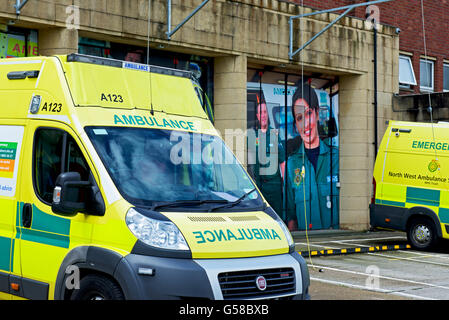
(115, 185)
(411, 182)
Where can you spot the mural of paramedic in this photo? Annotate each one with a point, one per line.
(134, 56)
(310, 200)
(265, 167)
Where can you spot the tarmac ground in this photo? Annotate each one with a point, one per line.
(374, 265)
(336, 242)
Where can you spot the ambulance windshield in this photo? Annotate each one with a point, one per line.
(153, 167)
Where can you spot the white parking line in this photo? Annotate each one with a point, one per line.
(384, 277)
(349, 285)
(430, 258)
(371, 239)
(424, 255)
(431, 254)
(410, 259)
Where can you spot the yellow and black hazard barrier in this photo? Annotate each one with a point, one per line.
(334, 252)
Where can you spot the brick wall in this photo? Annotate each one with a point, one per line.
(406, 15)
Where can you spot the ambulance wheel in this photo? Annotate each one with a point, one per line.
(422, 234)
(97, 287)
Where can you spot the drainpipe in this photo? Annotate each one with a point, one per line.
(331, 114)
(375, 88)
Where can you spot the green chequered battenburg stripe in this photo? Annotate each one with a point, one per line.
(50, 239)
(46, 228)
(45, 222)
(390, 203)
(426, 197)
(443, 213)
(5, 254)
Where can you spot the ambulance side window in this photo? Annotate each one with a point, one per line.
(55, 151)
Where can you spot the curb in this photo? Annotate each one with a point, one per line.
(335, 252)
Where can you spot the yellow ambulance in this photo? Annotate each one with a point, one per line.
(411, 182)
(115, 185)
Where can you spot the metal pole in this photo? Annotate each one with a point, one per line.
(290, 50)
(348, 9)
(168, 18)
(169, 34)
(331, 115)
(27, 35)
(258, 127)
(285, 204)
(310, 142)
(351, 6)
(320, 33)
(18, 6)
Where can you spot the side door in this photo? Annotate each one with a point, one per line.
(401, 166)
(11, 141)
(45, 237)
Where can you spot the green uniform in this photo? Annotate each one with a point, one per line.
(269, 185)
(311, 194)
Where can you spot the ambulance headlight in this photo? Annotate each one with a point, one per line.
(287, 234)
(156, 233)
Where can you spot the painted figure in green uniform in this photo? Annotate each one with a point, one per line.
(312, 169)
(264, 167)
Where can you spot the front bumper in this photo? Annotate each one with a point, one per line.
(186, 278)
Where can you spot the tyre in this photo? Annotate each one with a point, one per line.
(97, 287)
(422, 234)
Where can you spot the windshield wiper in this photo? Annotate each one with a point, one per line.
(234, 203)
(180, 203)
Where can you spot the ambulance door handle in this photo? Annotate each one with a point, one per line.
(401, 130)
(27, 213)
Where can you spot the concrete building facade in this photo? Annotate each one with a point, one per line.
(238, 38)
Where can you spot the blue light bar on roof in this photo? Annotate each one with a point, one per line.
(75, 57)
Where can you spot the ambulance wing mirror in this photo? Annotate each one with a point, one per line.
(72, 196)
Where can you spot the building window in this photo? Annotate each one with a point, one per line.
(426, 68)
(18, 42)
(406, 75)
(446, 77)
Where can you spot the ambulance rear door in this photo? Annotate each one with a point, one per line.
(11, 150)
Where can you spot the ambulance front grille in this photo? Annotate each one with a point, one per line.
(242, 284)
